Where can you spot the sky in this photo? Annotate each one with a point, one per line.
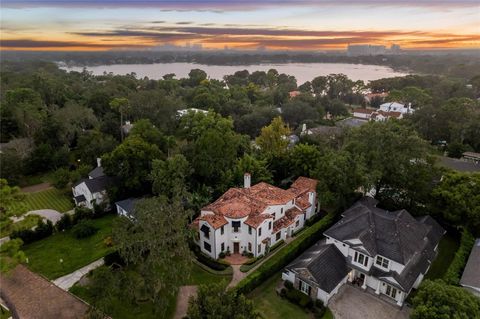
(277, 25)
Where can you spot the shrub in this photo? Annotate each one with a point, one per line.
(454, 271)
(277, 244)
(114, 259)
(285, 255)
(108, 241)
(283, 292)
(210, 262)
(299, 298)
(43, 229)
(221, 255)
(82, 213)
(84, 229)
(288, 284)
(61, 178)
(64, 223)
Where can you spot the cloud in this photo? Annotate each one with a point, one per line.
(32, 44)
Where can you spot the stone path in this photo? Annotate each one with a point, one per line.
(36, 188)
(184, 294)
(67, 281)
(237, 276)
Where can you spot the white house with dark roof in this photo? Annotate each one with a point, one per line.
(254, 218)
(471, 274)
(385, 253)
(93, 189)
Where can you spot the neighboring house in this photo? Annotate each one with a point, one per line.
(386, 253)
(351, 122)
(254, 218)
(331, 132)
(127, 127)
(370, 96)
(396, 107)
(183, 112)
(364, 114)
(471, 274)
(93, 189)
(471, 157)
(293, 94)
(376, 115)
(125, 207)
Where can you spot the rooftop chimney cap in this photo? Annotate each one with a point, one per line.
(99, 162)
(247, 180)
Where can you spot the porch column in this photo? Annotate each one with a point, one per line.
(351, 275)
(400, 299)
(377, 291)
(364, 284)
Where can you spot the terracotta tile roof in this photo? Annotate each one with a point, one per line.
(286, 220)
(388, 114)
(251, 202)
(256, 220)
(302, 201)
(363, 111)
(35, 297)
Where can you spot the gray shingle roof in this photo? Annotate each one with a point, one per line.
(96, 172)
(127, 205)
(458, 165)
(323, 264)
(471, 274)
(95, 185)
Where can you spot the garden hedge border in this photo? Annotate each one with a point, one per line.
(454, 271)
(286, 254)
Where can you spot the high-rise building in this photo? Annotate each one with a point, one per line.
(366, 49)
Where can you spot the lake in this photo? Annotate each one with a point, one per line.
(302, 71)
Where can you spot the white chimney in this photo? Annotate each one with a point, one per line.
(247, 179)
(304, 128)
(99, 162)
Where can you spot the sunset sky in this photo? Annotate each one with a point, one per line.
(288, 24)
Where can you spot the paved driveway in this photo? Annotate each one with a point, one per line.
(353, 303)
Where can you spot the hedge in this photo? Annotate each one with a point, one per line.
(227, 271)
(454, 271)
(285, 255)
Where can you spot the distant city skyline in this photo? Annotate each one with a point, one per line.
(272, 25)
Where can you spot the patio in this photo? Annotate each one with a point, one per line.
(236, 259)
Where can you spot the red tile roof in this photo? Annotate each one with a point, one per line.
(364, 111)
(251, 202)
(286, 220)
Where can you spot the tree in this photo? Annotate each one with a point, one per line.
(457, 197)
(156, 243)
(10, 195)
(26, 108)
(437, 300)
(88, 152)
(169, 177)
(303, 159)
(213, 301)
(295, 112)
(131, 161)
(195, 76)
(273, 139)
(396, 162)
(121, 105)
(257, 168)
(145, 130)
(11, 255)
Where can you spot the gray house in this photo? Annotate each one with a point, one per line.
(385, 253)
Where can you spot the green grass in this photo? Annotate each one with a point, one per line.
(4, 313)
(272, 306)
(199, 276)
(44, 255)
(29, 222)
(446, 251)
(48, 199)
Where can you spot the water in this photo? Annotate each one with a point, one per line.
(302, 71)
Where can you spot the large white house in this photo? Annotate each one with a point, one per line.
(254, 218)
(385, 253)
(93, 189)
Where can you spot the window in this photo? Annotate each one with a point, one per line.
(273, 216)
(207, 246)
(206, 231)
(249, 246)
(281, 211)
(279, 234)
(304, 287)
(269, 225)
(391, 292)
(297, 223)
(222, 247)
(235, 226)
(260, 231)
(382, 262)
(259, 248)
(222, 230)
(249, 230)
(361, 259)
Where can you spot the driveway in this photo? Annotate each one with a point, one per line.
(184, 294)
(49, 214)
(353, 303)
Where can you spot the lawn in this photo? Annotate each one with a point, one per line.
(446, 251)
(272, 306)
(29, 222)
(4, 313)
(44, 255)
(48, 199)
(126, 311)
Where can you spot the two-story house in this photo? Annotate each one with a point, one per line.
(386, 253)
(253, 218)
(93, 189)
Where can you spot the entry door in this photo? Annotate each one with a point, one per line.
(236, 248)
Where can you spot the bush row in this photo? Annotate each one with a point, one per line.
(285, 255)
(42, 230)
(301, 299)
(254, 261)
(454, 271)
(218, 265)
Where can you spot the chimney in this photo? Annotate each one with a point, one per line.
(304, 128)
(247, 179)
(99, 162)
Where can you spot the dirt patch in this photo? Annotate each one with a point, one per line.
(184, 294)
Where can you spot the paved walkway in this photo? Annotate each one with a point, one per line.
(49, 214)
(67, 281)
(36, 188)
(236, 259)
(353, 303)
(237, 276)
(184, 294)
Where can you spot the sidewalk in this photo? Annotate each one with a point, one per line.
(67, 281)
